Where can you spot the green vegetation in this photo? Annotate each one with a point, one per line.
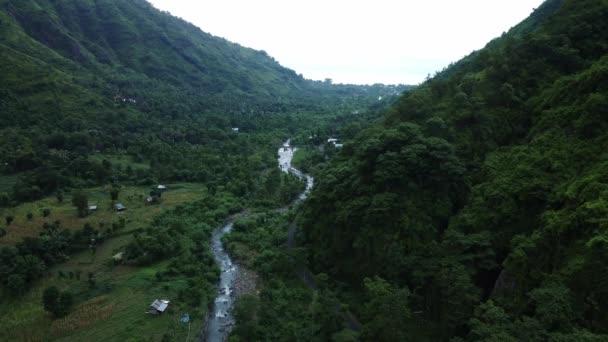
(114, 279)
(478, 205)
(118, 92)
(308, 159)
(473, 210)
(285, 308)
(100, 102)
(81, 201)
(138, 214)
(56, 302)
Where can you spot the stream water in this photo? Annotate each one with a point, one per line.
(285, 157)
(220, 320)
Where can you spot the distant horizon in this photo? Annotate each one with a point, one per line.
(357, 42)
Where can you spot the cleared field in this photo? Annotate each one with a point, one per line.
(137, 215)
(113, 309)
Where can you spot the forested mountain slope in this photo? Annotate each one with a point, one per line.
(80, 78)
(482, 195)
(103, 101)
(135, 47)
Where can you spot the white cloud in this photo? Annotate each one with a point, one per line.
(356, 41)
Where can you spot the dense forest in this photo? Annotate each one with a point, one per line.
(480, 201)
(470, 208)
(106, 77)
(101, 101)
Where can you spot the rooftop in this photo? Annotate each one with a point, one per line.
(159, 305)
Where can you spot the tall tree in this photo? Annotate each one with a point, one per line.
(80, 200)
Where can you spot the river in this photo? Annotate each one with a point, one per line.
(285, 157)
(220, 320)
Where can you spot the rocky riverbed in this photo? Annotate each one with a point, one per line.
(235, 280)
(245, 283)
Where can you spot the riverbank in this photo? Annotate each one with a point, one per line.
(246, 282)
(236, 280)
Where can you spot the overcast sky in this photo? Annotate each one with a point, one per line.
(357, 41)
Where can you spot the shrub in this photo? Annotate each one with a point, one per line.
(15, 283)
(56, 302)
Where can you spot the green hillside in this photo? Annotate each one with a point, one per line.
(474, 209)
(80, 78)
(130, 49)
(483, 194)
(100, 102)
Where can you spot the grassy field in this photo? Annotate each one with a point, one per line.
(113, 309)
(137, 215)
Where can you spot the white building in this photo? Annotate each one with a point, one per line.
(158, 306)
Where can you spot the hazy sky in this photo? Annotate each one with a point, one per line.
(357, 41)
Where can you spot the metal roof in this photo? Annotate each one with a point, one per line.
(159, 305)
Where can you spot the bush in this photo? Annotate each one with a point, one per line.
(59, 195)
(81, 201)
(91, 280)
(16, 283)
(46, 212)
(56, 302)
(30, 216)
(5, 200)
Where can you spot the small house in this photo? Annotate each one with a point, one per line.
(158, 306)
(335, 142)
(92, 208)
(161, 187)
(118, 257)
(235, 129)
(120, 207)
